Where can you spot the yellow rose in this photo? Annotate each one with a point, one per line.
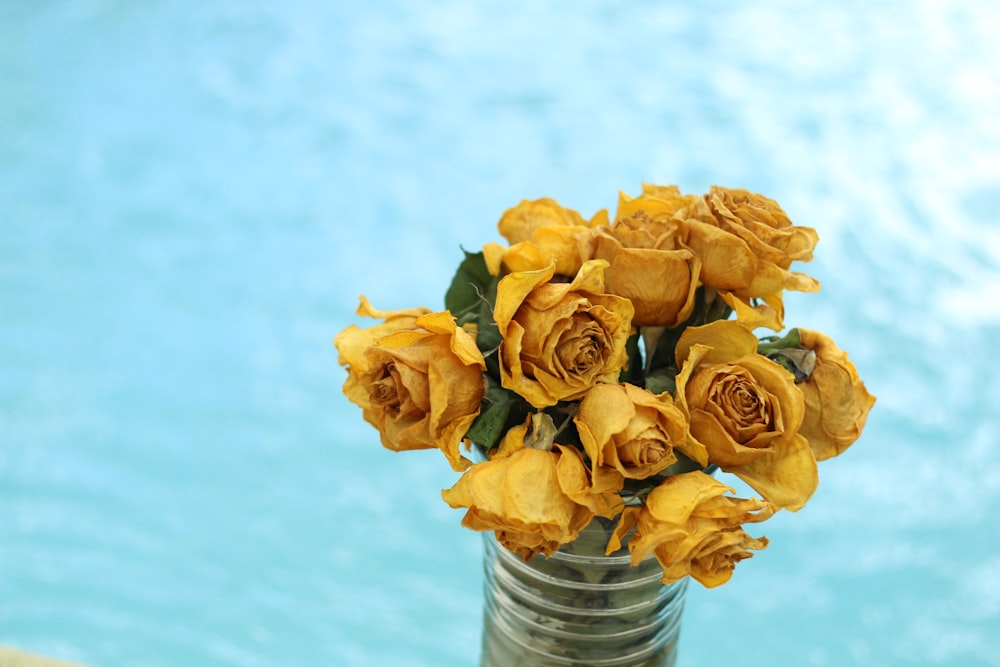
(633, 431)
(519, 223)
(836, 400)
(746, 410)
(669, 195)
(540, 232)
(419, 386)
(648, 261)
(529, 497)
(693, 528)
(352, 342)
(548, 245)
(560, 339)
(747, 243)
(764, 229)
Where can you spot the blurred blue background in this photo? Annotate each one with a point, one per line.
(194, 194)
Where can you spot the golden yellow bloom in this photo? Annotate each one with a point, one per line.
(420, 386)
(548, 245)
(521, 497)
(352, 342)
(560, 339)
(836, 400)
(633, 431)
(519, 223)
(693, 528)
(540, 232)
(746, 410)
(747, 243)
(670, 196)
(764, 229)
(648, 261)
(597, 490)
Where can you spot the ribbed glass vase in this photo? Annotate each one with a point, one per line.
(578, 607)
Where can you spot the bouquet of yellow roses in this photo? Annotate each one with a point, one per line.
(609, 367)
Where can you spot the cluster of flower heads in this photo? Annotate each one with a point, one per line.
(609, 367)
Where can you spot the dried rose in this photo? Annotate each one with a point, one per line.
(648, 261)
(836, 400)
(420, 386)
(519, 223)
(352, 342)
(746, 410)
(535, 500)
(540, 232)
(747, 244)
(633, 431)
(693, 528)
(560, 339)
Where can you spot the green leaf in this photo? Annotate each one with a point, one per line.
(500, 406)
(660, 381)
(470, 299)
(488, 336)
(488, 427)
(468, 286)
(770, 344)
(789, 353)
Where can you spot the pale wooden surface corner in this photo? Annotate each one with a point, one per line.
(12, 657)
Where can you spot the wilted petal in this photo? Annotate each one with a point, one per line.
(493, 256)
(768, 314)
(597, 492)
(786, 474)
(837, 402)
(727, 262)
(725, 341)
(626, 522)
(520, 498)
(525, 256)
(694, 529)
(513, 289)
(660, 284)
(352, 342)
(520, 222)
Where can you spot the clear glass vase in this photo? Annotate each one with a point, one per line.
(578, 607)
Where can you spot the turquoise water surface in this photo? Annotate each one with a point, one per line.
(194, 194)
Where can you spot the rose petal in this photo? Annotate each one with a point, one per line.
(518, 223)
(725, 341)
(693, 528)
(660, 284)
(598, 492)
(785, 475)
(728, 263)
(837, 402)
